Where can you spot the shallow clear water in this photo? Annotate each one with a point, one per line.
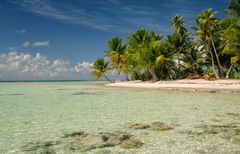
(45, 112)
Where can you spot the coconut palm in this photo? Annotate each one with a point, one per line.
(193, 61)
(178, 24)
(115, 52)
(179, 39)
(178, 44)
(230, 35)
(207, 25)
(231, 42)
(234, 8)
(167, 68)
(145, 46)
(100, 69)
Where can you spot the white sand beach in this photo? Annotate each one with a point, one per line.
(186, 84)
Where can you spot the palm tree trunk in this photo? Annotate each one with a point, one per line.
(178, 73)
(213, 66)
(152, 72)
(229, 70)
(126, 75)
(139, 75)
(215, 51)
(107, 78)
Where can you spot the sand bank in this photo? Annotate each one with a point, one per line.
(186, 84)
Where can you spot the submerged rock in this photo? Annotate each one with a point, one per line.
(210, 130)
(38, 146)
(131, 143)
(190, 132)
(102, 140)
(75, 133)
(237, 130)
(45, 151)
(88, 143)
(233, 114)
(159, 126)
(139, 126)
(115, 137)
(236, 141)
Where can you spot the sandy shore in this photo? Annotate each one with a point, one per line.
(186, 84)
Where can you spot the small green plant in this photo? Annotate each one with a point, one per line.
(237, 75)
(209, 75)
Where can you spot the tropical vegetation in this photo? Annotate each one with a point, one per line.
(210, 49)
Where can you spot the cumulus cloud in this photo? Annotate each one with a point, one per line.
(82, 66)
(24, 66)
(26, 44)
(41, 44)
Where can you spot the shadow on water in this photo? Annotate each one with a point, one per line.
(11, 94)
(88, 93)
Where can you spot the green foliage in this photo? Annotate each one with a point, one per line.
(116, 52)
(178, 24)
(146, 55)
(234, 8)
(100, 68)
(160, 59)
(237, 75)
(209, 75)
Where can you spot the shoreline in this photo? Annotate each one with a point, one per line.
(183, 85)
(192, 85)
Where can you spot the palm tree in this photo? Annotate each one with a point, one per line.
(179, 39)
(230, 35)
(145, 45)
(135, 43)
(178, 24)
(193, 61)
(100, 69)
(116, 52)
(234, 8)
(178, 45)
(207, 28)
(166, 65)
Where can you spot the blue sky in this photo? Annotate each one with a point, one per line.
(74, 31)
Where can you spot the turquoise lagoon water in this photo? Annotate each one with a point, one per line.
(44, 112)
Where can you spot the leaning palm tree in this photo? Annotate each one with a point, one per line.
(207, 25)
(100, 69)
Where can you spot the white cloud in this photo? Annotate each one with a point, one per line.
(24, 66)
(26, 44)
(21, 31)
(12, 48)
(82, 66)
(41, 44)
